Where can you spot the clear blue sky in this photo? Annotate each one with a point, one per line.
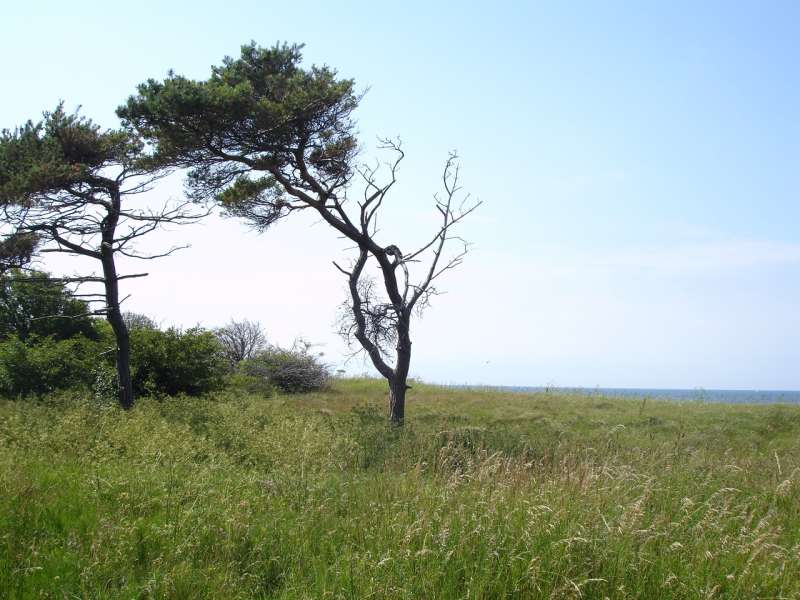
(639, 165)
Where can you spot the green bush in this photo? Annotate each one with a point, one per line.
(242, 383)
(45, 364)
(167, 362)
(291, 371)
(175, 362)
(32, 304)
(48, 339)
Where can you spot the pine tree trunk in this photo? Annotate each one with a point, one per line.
(123, 356)
(113, 311)
(121, 337)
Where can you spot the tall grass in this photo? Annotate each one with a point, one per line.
(480, 495)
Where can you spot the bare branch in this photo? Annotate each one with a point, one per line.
(365, 332)
(241, 340)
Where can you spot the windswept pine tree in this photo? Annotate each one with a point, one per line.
(68, 186)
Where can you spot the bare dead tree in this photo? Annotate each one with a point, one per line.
(241, 340)
(71, 186)
(134, 320)
(379, 320)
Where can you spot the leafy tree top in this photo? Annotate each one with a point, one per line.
(259, 122)
(17, 250)
(62, 153)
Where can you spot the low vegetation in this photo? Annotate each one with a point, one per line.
(481, 495)
(50, 343)
(291, 371)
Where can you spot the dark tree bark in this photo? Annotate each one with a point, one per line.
(398, 384)
(112, 309)
(122, 338)
(397, 402)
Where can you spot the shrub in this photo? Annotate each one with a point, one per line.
(175, 362)
(32, 304)
(162, 362)
(45, 364)
(290, 371)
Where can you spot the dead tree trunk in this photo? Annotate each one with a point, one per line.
(398, 384)
(397, 402)
(379, 324)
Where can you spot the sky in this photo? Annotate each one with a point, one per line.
(638, 164)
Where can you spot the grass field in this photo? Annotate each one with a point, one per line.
(480, 495)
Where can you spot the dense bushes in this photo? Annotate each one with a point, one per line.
(162, 362)
(290, 371)
(169, 362)
(49, 342)
(174, 361)
(32, 304)
(43, 365)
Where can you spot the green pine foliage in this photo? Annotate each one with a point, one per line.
(17, 250)
(249, 116)
(59, 152)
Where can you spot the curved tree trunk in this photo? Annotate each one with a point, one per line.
(121, 337)
(397, 384)
(113, 311)
(123, 357)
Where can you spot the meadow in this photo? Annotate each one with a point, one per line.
(481, 494)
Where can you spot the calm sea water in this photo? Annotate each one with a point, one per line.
(697, 395)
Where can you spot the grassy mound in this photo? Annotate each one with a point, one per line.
(480, 495)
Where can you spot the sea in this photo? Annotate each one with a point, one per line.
(693, 395)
